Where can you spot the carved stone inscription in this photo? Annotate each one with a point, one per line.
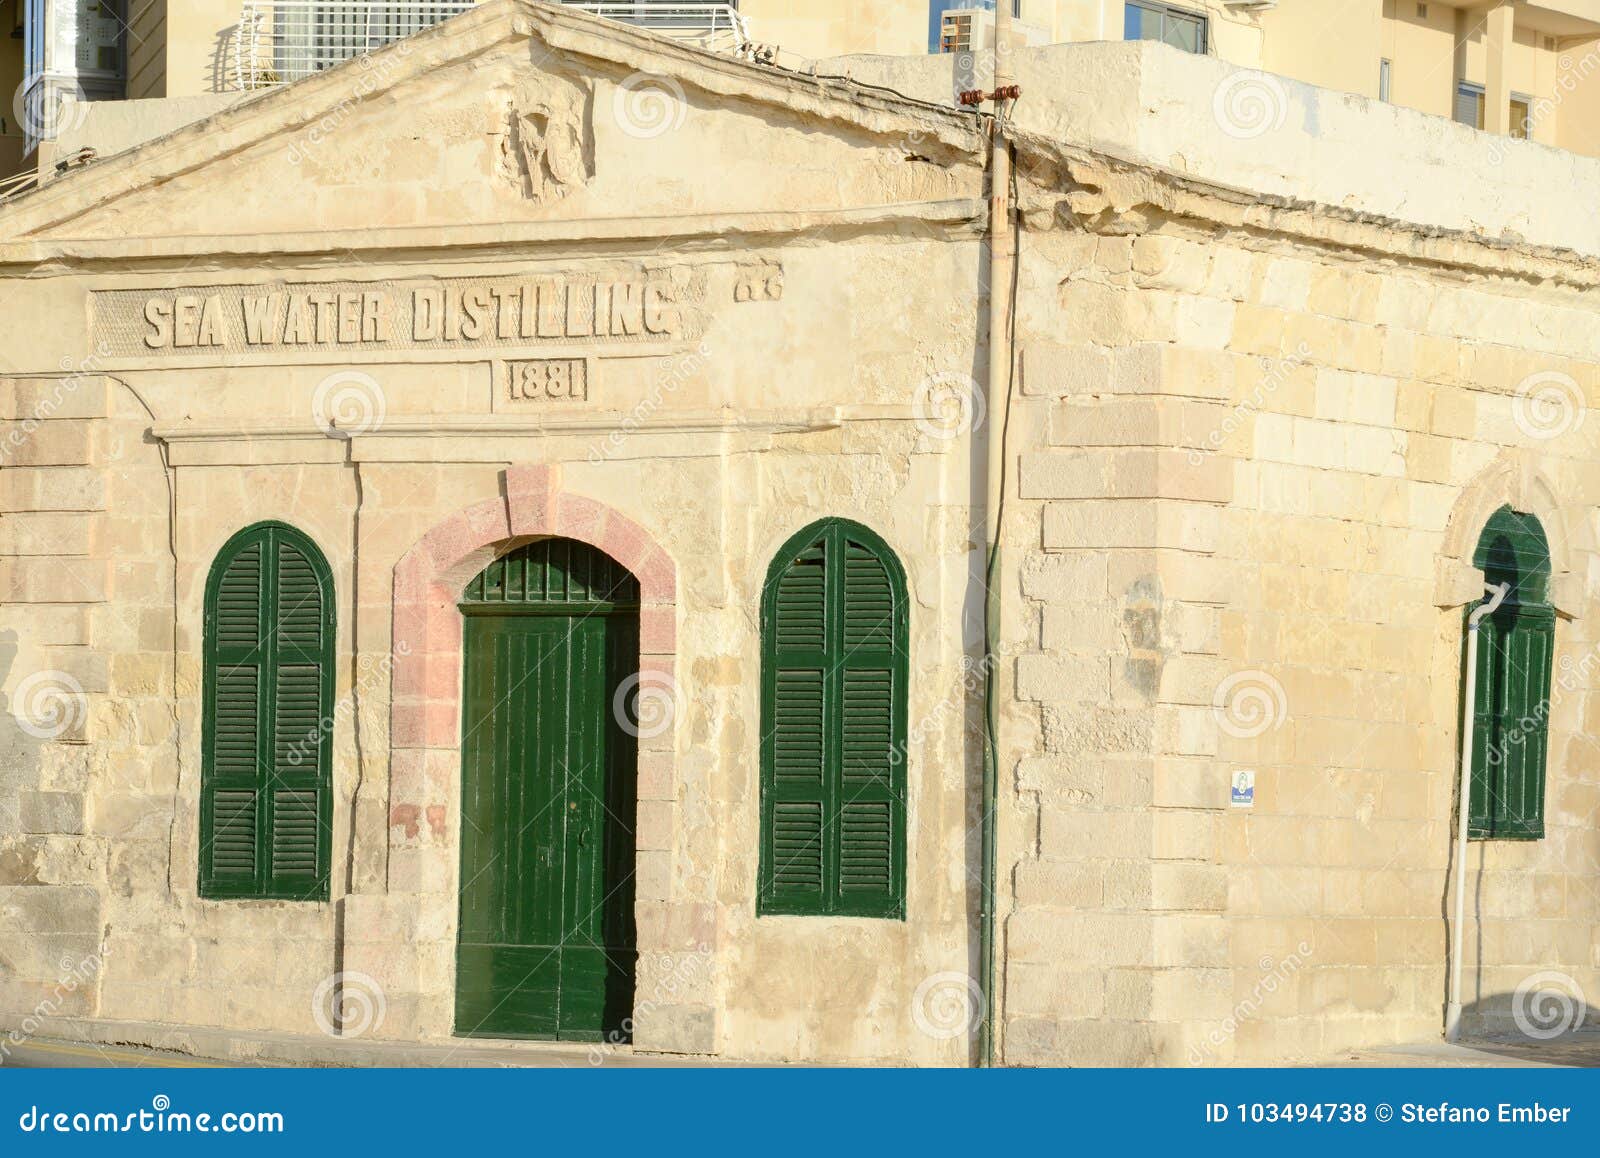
(545, 381)
(438, 314)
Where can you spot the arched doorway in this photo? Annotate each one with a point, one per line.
(546, 942)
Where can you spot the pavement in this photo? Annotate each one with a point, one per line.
(1580, 1050)
(79, 1044)
(37, 1054)
(83, 1044)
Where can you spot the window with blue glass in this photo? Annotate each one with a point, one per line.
(1179, 27)
(1469, 104)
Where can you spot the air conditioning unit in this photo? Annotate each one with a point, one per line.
(972, 30)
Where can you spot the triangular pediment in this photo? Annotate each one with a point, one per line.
(515, 113)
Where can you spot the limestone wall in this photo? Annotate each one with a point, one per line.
(1252, 443)
(716, 450)
(57, 583)
(1252, 469)
(793, 275)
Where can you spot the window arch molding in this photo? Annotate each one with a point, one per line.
(266, 806)
(1512, 479)
(835, 660)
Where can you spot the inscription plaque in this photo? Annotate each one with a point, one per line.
(544, 381)
(436, 314)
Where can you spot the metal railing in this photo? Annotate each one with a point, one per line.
(717, 27)
(280, 41)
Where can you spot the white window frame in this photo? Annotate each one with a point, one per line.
(1164, 10)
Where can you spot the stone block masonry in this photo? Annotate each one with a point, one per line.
(1251, 446)
(1235, 566)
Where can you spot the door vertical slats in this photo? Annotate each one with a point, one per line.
(546, 942)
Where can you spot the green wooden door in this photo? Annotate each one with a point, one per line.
(546, 941)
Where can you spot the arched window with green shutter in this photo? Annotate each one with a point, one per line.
(834, 661)
(1511, 716)
(266, 801)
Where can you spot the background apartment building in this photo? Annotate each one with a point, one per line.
(1511, 67)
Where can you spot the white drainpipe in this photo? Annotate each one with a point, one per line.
(1452, 1016)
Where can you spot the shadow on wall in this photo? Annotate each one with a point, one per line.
(1547, 1011)
(222, 61)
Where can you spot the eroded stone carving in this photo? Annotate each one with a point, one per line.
(761, 282)
(545, 146)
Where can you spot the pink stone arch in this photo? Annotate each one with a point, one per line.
(425, 729)
(425, 711)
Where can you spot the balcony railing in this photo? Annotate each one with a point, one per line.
(717, 27)
(281, 41)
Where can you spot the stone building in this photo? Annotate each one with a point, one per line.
(121, 71)
(491, 543)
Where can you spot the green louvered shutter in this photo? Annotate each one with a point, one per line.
(266, 794)
(1511, 710)
(230, 805)
(301, 701)
(834, 702)
(796, 777)
(871, 810)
